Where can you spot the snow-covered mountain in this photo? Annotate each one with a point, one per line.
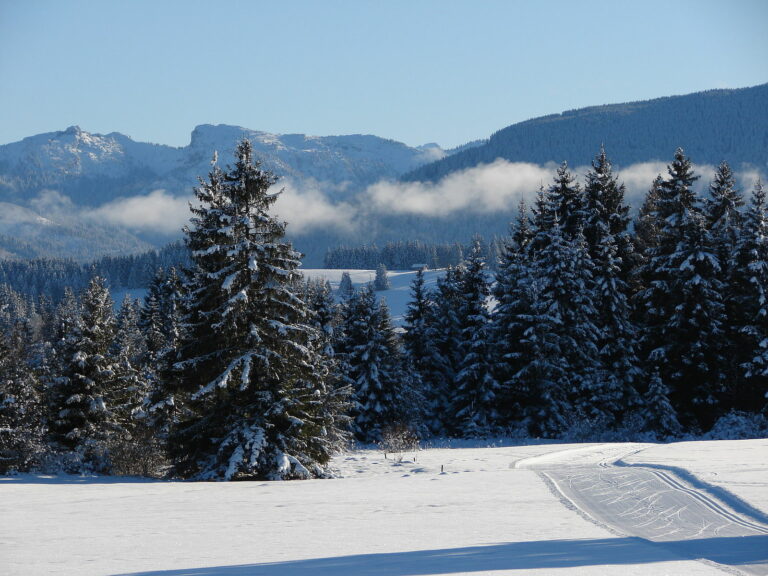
(92, 169)
(49, 181)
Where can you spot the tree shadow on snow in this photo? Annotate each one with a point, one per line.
(744, 551)
(75, 479)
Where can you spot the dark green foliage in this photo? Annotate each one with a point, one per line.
(383, 390)
(83, 417)
(474, 399)
(22, 443)
(249, 362)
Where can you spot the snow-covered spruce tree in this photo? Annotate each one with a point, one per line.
(607, 213)
(443, 335)
(567, 201)
(513, 293)
(83, 420)
(656, 414)
(248, 362)
(135, 448)
(561, 365)
(381, 282)
(325, 319)
(421, 350)
(723, 214)
(161, 325)
(724, 222)
(22, 431)
(610, 249)
(345, 286)
(375, 364)
(683, 307)
(151, 316)
(474, 399)
(750, 301)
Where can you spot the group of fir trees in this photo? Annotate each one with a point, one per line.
(596, 325)
(225, 372)
(237, 369)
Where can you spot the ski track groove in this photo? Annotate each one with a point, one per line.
(600, 492)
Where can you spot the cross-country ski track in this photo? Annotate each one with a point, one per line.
(650, 502)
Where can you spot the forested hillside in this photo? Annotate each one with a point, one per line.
(712, 126)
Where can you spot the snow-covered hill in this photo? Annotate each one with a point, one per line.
(92, 169)
(482, 509)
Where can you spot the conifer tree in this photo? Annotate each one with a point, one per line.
(83, 419)
(611, 255)
(22, 430)
(381, 282)
(443, 335)
(324, 318)
(248, 362)
(417, 345)
(750, 302)
(345, 286)
(683, 304)
(607, 213)
(475, 395)
(566, 198)
(375, 365)
(724, 223)
(560, 337)
(656, 413)
(514, 293)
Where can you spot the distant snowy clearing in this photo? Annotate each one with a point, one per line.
(397, 297)
(454, 509)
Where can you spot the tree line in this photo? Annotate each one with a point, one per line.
(235, 367)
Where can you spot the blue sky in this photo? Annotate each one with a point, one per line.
(447, 71)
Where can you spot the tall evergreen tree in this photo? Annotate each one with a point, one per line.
(22, 431)
(683, 304)
(423, 354)
(248, 362)
(84, 420)
(381, 282)
(749, 391)
(475, 395)
(560, 337)
(567, 201)
(443, 335)
(514, 295)
(611, 255)
(375, 365)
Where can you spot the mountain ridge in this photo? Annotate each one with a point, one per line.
(712, 126)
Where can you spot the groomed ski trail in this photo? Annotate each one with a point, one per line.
(653, 503)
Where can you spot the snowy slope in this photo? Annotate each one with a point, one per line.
(95, 168)
(397, 297)
(454, 510)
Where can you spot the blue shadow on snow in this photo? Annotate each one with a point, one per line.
(551, 554)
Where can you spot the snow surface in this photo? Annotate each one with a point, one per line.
(452, 509)
(397, 297)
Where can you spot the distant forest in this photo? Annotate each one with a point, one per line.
(712, 126)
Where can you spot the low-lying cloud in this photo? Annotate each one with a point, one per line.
(157, 212)
(486, 188)
(306, 208)
(309, 206)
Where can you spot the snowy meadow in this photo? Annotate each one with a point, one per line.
(461, 508)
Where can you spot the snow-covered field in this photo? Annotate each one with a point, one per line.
(454, 509)
(397, 296)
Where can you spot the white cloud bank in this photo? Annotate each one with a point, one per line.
(305, 208)
(312, 206)
(487, 188)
